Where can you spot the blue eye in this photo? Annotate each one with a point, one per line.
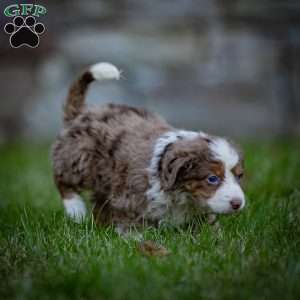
(213, 179)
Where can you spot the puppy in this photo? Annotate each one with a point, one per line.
(139, 169)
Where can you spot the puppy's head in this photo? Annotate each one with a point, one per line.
(209, 169)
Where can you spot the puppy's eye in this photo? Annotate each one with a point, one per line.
(213, 179)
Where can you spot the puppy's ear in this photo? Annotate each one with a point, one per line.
(172, 170)
(181, 159)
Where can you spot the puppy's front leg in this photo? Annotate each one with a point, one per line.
(212, 219)
(128, 232)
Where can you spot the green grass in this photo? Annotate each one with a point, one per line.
(255, 255)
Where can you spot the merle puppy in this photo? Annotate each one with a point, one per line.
(140, 169)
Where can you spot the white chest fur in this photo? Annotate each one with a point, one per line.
(175, 208)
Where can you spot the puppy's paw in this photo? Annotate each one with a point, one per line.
(75, 208)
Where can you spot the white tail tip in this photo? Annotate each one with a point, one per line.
(103, 70)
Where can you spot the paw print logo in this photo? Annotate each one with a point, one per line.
(24, 32)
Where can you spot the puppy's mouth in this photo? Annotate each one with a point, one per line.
(231, 212)
(225, 208)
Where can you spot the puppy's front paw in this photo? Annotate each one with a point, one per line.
(75, 208)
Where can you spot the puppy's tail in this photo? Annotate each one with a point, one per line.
(76, 97)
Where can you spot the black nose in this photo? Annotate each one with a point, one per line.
(236, 203)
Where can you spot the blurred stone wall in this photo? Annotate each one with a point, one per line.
(229, 67)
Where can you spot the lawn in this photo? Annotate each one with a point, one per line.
(255, 255)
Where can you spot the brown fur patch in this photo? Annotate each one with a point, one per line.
(187, 164)
(238, 170)
(198, 185)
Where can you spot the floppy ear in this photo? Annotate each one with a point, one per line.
(172, 169)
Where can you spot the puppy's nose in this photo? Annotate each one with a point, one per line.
(236, 203)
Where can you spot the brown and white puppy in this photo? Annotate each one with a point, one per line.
(139, 168)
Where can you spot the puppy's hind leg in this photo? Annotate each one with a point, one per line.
(71, 168)
(74, 205)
